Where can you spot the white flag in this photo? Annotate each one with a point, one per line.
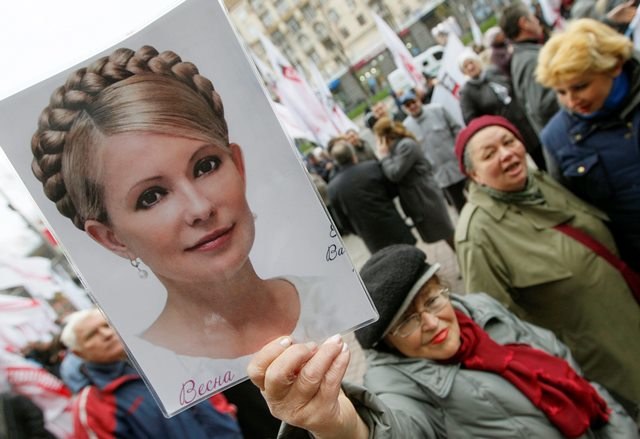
(551, 13)
(450, 78)
(291, 123)
(475, 29)
(298, 97)
(339, 119)
(400, 53)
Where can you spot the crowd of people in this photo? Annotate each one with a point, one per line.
(546, 239)
(535, 191)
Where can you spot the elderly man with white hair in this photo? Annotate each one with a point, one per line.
(116, 403)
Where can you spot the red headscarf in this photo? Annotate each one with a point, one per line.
(569, 402)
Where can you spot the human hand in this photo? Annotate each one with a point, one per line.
(623, 13)
(301, 384)
(383, 147)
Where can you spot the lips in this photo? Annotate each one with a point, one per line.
(440, 337)
(212, 240)
(513, 168)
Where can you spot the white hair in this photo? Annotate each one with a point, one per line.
(68, 335)
(466, 55)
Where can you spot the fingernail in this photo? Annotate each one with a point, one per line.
(333, 339)
(285, 342)
(345, 347)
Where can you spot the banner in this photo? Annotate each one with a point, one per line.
(296, 94)
(213, 241)
(450, 78)
(401, 55)
(337, 115)
(44, 389)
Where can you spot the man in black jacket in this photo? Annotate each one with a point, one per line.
(361, 201)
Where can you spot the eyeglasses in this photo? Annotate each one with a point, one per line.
(433, 305)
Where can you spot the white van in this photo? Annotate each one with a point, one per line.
(429, 61)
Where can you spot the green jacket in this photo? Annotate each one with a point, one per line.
(547, 278)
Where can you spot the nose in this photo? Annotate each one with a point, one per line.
(197, 207)
(429, 321)
(106, 332)
(572, 100)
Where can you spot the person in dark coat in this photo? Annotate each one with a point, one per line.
(526, 34)
(361, 201)
(20, 418)
(420, 196)
(489, 92)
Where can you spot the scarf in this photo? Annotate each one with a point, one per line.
(530, 195)
(569, 402)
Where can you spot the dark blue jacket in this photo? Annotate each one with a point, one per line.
(119, 405)
(598, 159)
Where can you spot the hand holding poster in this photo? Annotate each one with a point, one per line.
(165, 152)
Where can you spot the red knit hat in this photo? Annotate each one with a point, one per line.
(476, 125)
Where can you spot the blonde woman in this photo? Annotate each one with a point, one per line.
(593, 141)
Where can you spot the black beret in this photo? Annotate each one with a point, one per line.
(390, 275)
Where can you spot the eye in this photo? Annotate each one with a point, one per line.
(206, 165)
(150, 197)
(488, 154)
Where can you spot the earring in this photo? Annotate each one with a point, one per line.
(255, 215)
(142, 273)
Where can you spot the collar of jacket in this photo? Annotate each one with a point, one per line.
(556, 208)
(439, 377)
(107, 376)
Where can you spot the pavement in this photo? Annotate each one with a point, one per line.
(436, 252)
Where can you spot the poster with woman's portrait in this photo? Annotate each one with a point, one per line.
(164, 173)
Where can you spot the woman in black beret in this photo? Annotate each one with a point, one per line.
(439, 365)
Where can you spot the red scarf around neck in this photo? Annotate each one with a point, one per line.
(569, 402)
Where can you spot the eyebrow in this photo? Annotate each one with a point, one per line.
(153, 178)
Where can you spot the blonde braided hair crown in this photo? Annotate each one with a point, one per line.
(76, 97)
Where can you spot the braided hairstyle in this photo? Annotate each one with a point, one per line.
(125, 92)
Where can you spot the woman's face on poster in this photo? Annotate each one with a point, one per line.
(176, 203)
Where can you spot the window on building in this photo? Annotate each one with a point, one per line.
(277, 38)
(333, 15)
(293, 25)
(308, 12)
(320, 30)
(313, 56)
(304, 41)
(267, 19)
(282, 6)
(361, 20)
(329, 44)
(258, 5)
(344, 32)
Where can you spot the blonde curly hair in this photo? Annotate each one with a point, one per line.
(586, 46)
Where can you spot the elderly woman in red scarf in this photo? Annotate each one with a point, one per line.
(439, 365)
